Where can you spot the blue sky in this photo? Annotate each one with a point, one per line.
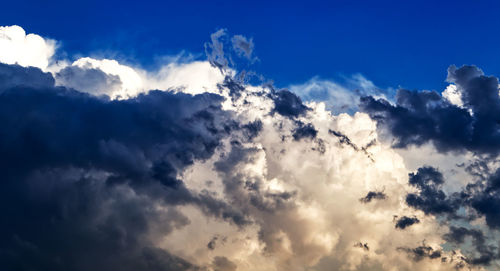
(393, 43)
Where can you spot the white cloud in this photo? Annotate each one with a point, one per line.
(318, 228)
(194, 77)
(17, 47)
(26, 50)
(131, 82)
(453, 95)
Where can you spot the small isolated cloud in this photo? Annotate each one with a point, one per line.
(243, 46)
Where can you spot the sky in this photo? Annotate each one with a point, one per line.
(393, 43)
(253, 136)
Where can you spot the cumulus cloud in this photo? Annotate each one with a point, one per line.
(106, 166)
(119, 81)
(91, 80)
(195, 77)
(419, 117)
(107, 76)
(461, 121)
(17, 47)
(130, 80)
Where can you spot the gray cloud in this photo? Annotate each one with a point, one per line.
(93, 81)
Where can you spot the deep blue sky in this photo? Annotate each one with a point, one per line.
(393, 43)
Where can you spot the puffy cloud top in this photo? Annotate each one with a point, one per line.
(26, 50)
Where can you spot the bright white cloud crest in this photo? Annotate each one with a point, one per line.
(17, 47)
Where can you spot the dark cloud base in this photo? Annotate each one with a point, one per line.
(419, 117)
(81, 175)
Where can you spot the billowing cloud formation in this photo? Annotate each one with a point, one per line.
(464, 119)
(425, 116)
(109, 167)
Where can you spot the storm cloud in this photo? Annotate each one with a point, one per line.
(419, 117)
(105, 166)
(91, 173)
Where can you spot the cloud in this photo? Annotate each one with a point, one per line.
(131, 82)
(243, 46)
(421, 252)
(373, 195)
(118, 81)
(223, 264)
(191, 167)
(215, 50)
(17, 76)
(99, 175)
(17, 47)
(301, 194)
(288, 104)
(339, 97)
(404, 222)
(462, 121)
(90, 80)
(195, 77)
(430, 199)
(108, 76)
(425, 116)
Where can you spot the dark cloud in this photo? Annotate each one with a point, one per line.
(89, 80)
(211, 243)
(288, 104)
(485, 253)
(480, 198)
(249, 192)
(17, 76)
(222, 263)
(477, 199)
(217, 239)
(362, 245)
(235, 88)
(252, 129)
(405, 221)
(421, 252)
(304, 131)
(424, 116)
(420, 117)
(430, 198)
(345, 140)
(378, 195)
(483, 196)
(82, 176)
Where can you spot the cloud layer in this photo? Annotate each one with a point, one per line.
(106, 166)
